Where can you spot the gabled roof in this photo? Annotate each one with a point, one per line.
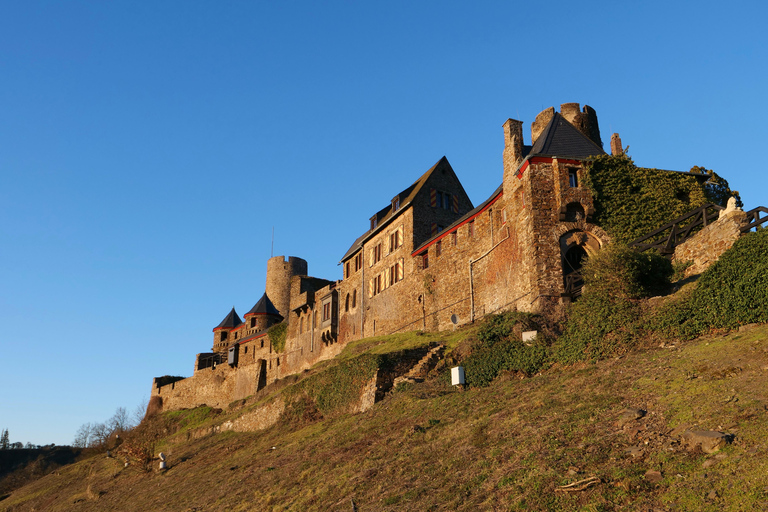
(263, 307)
(385, 215)
(466, 217)
(230, 321)
(560, 138)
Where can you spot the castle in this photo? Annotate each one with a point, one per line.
(430, 260)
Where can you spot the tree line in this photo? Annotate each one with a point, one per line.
(96, 435)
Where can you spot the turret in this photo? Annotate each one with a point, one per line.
(279, 273)
(221, 333)
(263, 315)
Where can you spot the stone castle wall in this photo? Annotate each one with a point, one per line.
(508, 255)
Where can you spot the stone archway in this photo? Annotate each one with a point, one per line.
(575, 246)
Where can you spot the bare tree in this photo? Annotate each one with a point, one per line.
(140, 411)
(119, 422)
(84, 436)
(100, 434)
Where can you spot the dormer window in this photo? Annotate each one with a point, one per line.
(396, 204)
(374, 222)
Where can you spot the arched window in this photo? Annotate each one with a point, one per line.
(346, 304)
(354, 297)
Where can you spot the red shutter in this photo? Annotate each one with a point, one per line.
(455, 204)
(432, 198)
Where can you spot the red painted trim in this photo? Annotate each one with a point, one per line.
(543, 160)
(254, 314)
(255, 337)
(455, 228)
(232, 329)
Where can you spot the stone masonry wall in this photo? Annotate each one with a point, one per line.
(707, 245)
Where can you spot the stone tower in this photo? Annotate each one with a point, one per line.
(279, 273)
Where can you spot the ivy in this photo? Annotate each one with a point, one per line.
(277, 334)
(632, 201)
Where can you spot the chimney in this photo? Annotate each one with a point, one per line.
(616, 148)
(513, 144)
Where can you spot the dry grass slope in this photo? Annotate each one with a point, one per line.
(508, 446)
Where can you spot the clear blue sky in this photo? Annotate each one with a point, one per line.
(147, 149)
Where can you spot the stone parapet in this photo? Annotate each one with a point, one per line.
(706, 246)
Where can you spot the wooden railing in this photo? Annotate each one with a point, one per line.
(679, 230)
(754, 219)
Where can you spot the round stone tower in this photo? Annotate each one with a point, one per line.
(279, 273)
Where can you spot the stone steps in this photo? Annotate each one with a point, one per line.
(422, 367)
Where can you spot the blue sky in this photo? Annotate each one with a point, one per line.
(147, 150)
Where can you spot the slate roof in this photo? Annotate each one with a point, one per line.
(263, 307)
(463, 219)
(230, 321)
(386, 214)
(252, 336)
(560, 138)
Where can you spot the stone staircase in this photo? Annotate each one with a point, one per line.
(420, 370)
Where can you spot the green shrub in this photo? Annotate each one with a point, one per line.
(732, 292)
(599, 325)
(604, 321)
(629, 273)
(500, 348)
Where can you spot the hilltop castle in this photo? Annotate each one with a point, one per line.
(430, 260)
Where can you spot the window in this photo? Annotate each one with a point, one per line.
(374, 222)
(359, 261)
(223, 336)
(346, 303)
(471, 229)
(396, 272)
(375, 254)
(301, 325)
(439, 248)
(354, 297)
(349, 265)
(446, 201)
(425, 260)
(455, 238)
(573, 177)
(246, 349)
(253, 322)
(327, 311)
(262, 343)
(395, 239)
(375, 285)
(396, 204)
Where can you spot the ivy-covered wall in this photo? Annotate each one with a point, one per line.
(632, 201)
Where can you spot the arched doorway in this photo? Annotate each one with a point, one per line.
(575, 247)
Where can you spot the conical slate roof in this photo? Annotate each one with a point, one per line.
(263, 307)
(561, 138)
(230, 321)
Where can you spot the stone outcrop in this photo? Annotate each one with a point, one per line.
(708, 440)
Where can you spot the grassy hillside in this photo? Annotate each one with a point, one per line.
(507, 446)
(588, 416)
